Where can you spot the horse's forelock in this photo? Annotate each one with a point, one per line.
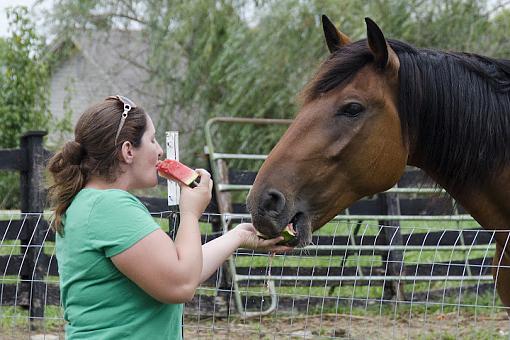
(337, 69)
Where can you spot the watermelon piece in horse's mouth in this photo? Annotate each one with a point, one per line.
(176, 171)
(288, 233)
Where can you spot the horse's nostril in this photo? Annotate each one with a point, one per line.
(273, 202)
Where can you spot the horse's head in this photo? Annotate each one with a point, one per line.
(345, 143)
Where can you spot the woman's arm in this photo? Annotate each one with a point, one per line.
(217, 251)
(171, 271)
(160, 268)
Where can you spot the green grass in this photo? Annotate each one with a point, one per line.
(468, 303)
(15, 321)
(448, 304)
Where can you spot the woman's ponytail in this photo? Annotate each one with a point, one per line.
(68, 179)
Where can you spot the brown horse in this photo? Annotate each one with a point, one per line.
(376, 105)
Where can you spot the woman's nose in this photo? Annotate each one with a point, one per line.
(160, 152)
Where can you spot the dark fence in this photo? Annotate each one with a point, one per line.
(32, 266)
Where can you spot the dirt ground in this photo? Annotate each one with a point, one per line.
(335, 326)
(327, 326)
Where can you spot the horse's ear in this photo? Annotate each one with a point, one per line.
(334, 38)
(384, 56)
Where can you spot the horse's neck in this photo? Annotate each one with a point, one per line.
(489, 205)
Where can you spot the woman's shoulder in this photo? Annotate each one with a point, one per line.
(108, 195)
(114, 201)
(90, 204)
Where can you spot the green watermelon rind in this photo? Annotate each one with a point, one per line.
(287, 234)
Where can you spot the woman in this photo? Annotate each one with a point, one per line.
(121, 276)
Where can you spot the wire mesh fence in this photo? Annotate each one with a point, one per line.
(339, 287)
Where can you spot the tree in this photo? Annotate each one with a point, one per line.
(252, 57)
(23, 80)
(23, 91)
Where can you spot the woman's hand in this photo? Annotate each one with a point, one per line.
(195, 200)
(250, 240)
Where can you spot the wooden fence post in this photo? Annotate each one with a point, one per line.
(393, 258)
(32, 204)
(224, 282)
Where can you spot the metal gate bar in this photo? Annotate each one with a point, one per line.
(227, 217)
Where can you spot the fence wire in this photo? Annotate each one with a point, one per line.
(348, 284)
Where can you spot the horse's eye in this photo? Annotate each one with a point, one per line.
(351, 110)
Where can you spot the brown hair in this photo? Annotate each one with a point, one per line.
(92, 153)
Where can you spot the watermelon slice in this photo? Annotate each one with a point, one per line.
(176, 171)
(288, 233)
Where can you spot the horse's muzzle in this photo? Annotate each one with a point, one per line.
(269, 211)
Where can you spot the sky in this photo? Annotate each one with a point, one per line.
(4, 4)
(47, 5)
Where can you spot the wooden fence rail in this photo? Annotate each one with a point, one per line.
(28, 271)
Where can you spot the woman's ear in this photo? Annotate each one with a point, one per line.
(127, 152)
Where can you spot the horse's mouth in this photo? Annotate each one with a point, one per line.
(298, 225)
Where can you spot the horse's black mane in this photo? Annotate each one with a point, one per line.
(454, 107)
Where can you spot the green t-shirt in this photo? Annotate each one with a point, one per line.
(99, 301)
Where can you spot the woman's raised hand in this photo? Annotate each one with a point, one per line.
(195, 200)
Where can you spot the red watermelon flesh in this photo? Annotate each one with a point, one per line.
(177, 172)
